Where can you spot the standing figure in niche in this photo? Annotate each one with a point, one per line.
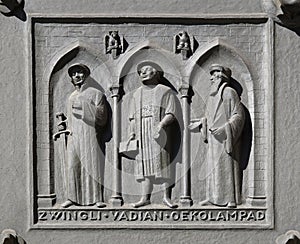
(222, 128)
(153, 109)
(86, 113)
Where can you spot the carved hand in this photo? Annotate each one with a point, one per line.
(219, 133)
(76, 105)
(131, 137)
(195, 126)
(158, 131)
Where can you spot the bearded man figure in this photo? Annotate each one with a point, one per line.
(222, 129)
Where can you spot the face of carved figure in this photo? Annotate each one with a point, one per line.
(78, 77)
(147, 73)
(216, 79)
(114, 34)
(184, 35)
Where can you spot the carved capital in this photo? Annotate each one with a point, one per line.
(184, 91)
(115, 91)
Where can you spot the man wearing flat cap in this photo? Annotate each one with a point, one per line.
(86, 113)
(152, 111)
(221, 129)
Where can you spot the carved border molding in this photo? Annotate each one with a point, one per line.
(171, 19)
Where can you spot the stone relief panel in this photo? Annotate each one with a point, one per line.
(129, 134)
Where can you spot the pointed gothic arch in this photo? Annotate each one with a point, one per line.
(149, 50)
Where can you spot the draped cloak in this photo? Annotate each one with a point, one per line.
(86, 111)
(148, 108)
(223, 157)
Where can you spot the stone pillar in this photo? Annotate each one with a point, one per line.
(257, 187)
(185, 198)
(46, 196)
(116, 199)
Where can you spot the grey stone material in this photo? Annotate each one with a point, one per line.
(118, 80)
(152, 111)
(9, 236)
(228, 133)
(290, 237)
(81, 153)
(266, 63)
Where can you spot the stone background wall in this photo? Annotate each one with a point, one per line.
(16, 138)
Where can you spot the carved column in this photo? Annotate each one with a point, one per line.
(185, 199)
(116, 199)
(45, 188)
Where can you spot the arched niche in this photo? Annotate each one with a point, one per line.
(150, 51)
(198, 76)
(54, 91)
(220, 52)
(129, 80)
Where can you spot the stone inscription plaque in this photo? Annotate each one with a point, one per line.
(151, 124)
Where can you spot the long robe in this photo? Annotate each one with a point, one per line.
(86, 111)
(148, 108)
(223, 157)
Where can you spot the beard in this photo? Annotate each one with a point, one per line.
(214, 88)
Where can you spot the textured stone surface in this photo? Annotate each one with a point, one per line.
(145, 7)
(16, 138)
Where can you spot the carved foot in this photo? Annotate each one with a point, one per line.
(168, 203)
(231, 205)
(205, 202)
(141, 203)
(67, 204)
(100, 204)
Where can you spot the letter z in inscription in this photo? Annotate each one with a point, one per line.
(43, 215)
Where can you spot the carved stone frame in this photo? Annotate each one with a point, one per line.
(48, 197)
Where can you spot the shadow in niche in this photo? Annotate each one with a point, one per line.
(175, 137)
(247, 133)
(125, 45)
(236, 86)
(104, 135)
(15, 8)
(65, 59)
(94, 84)
(167, 83)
